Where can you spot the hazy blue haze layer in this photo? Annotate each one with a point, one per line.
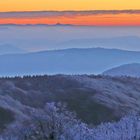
(41, 37)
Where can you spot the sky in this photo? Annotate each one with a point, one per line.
(61, 5)
(75, 12)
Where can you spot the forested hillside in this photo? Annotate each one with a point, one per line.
(90, 100)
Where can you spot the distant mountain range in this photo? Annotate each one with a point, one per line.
(10, 49)
(57, 24)
(126, 42)
(125, 70)
(68, 61)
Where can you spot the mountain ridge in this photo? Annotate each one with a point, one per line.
(132, 69)
(68, 61)
(10, 49)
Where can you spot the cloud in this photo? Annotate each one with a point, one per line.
(51, 14)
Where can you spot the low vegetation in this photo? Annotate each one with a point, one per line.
(69, 107)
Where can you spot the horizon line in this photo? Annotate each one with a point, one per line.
(71, 25)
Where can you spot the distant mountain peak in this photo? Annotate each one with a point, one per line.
(132, 69)
(10, 49)
(60, 24)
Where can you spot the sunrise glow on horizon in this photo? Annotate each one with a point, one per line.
(95, 20)
(102, 19)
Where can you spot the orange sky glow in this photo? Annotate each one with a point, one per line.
(60, 5)
(91, 20)
(120, 19)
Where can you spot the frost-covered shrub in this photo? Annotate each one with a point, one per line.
(56, 123)
(128, 128)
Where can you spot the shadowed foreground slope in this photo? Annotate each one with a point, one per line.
(95, 99)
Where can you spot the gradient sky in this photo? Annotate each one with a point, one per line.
(117, 16)
(39, 5)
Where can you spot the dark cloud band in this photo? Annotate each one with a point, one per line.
(39, 14)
